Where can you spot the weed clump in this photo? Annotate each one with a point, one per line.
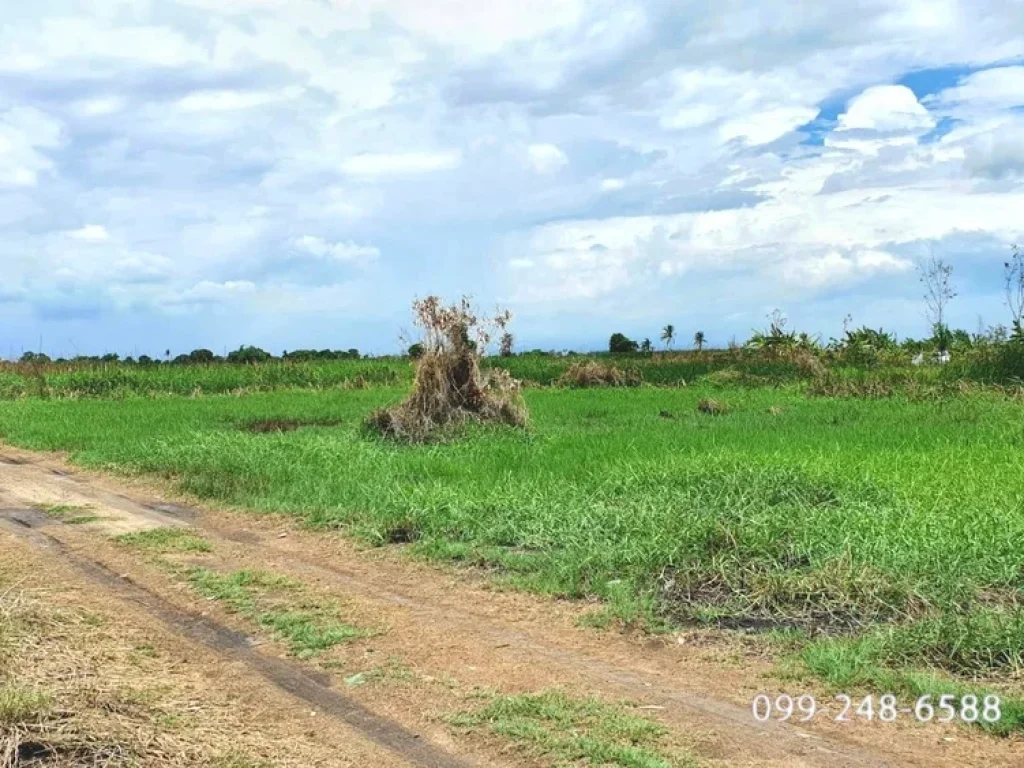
(449, 388)
(591, 373)
(712, 407)
(274, 425)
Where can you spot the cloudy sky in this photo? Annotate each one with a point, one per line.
(291, 173)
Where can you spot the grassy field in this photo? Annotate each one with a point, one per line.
(881, 539)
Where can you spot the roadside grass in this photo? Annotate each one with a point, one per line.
(86, 689)
(82, 519)
(165, 541)
(573, 731)
(65, 513)
(60, 511)
(276, 603)
(890, 523)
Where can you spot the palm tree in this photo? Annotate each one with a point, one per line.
(698, 340)
(668, 335)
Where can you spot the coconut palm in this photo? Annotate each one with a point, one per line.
(698, 340)
(668, 335)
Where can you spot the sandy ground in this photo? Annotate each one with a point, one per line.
(440, 635)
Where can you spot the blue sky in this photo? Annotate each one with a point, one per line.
(207, 173)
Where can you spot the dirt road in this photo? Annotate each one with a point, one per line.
(437, 638)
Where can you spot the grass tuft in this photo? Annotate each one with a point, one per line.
(22, 706)
(166, 541)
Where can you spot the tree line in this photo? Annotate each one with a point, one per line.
(936, 277)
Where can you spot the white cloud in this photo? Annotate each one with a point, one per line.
(612, 185)
(835, 269)
(50, 43)
(229, 101)
(766, 127)
(341, 251)
(546, 158)
(886, 108)
(400, 164)
(997, 153)
(1000, 88)
(90, 233)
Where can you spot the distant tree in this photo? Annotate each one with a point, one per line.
(201, 356)
(668, 335)
(1014, 279)
(645, 346)
(167, 354)
(960, 339)
(506, 345)
(416, 351)
(248, 355)
(35, 357)
(145, 360)
(698, 340)
(352, 354)
(937, 278)
(110, 357)
(620, 344)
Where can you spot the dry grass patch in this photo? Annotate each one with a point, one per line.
(591, 373)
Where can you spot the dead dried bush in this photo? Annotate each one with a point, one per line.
(449, 387)
(591, 373)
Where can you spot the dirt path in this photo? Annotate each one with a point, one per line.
(441, 637)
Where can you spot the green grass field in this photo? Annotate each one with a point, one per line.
(881, 539)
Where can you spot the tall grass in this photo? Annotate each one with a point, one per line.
(997, 364)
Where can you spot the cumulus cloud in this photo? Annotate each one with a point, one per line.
(886, 109)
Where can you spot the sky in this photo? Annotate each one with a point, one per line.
(178, 174)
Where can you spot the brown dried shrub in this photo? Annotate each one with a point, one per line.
(449, 388)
